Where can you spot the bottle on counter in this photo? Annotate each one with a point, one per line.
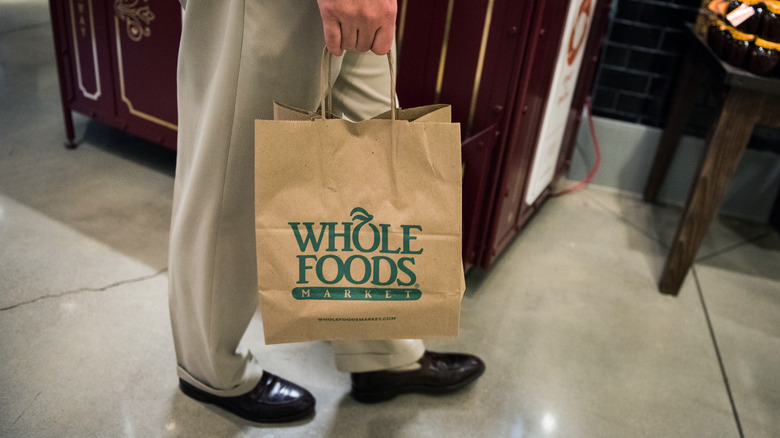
(770, 21)
(746, 15)
(764, 58)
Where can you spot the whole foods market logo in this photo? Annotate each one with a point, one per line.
(360, 254)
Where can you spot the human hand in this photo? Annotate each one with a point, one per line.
(360, 25)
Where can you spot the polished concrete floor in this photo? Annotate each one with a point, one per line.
(577, 340)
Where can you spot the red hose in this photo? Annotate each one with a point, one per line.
(596, 147)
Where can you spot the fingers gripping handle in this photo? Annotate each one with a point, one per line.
(326, 84)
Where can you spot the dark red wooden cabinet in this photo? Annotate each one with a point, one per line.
(497, 63)
(117, 64)
(516, 73)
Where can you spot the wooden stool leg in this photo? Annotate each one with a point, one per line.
(675, 125)
(725, 146)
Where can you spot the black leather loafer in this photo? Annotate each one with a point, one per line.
(273, 400)
(439, 373)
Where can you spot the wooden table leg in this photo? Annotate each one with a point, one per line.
(725, 147)
(675, 125)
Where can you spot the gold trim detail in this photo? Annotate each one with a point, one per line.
(443, 56)
(401, 28)
(122, 91)
(480, 66)
(137, 19)
(96, 95)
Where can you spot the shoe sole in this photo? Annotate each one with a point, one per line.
(380, 396)
(211, 399)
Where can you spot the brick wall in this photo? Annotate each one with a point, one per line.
(640, 59)
(639, 63)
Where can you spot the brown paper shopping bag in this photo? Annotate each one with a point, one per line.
(358, 225)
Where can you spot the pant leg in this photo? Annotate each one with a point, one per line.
(236, 58)
(362, 91)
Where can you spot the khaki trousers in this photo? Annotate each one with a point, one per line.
(236, 58)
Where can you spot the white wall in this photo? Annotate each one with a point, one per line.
(627, 152)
